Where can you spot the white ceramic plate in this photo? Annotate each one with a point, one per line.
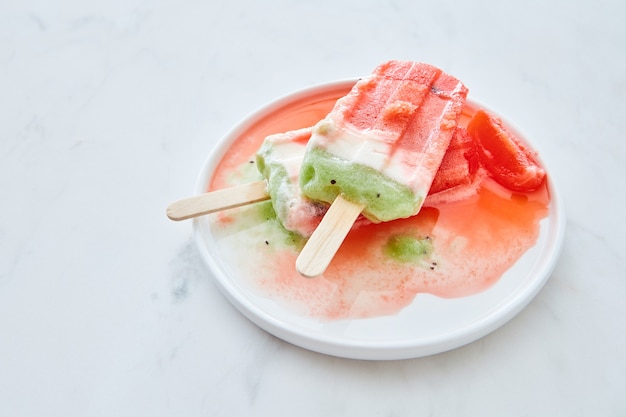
(428, 325)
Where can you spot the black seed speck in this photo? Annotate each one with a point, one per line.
(377, 195)
(432, 267)
(267, 243)
(333, 182)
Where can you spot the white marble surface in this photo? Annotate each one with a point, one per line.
(107, 111)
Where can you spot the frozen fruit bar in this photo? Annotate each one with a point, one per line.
(381, 144)
(458, 176)
(280, 156)
(279, 159)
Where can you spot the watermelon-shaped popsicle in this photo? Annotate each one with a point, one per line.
(279, 159)
(378, 150)
(382, 144)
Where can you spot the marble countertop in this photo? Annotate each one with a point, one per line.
(107, 112)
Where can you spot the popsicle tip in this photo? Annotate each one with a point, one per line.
(175, 212)
(308, 268)
(172, 213)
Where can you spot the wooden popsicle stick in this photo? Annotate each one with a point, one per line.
(325, 241)
(213, 201)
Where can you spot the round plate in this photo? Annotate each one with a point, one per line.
(430, 326)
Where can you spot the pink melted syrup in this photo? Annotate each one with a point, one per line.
(475, 240)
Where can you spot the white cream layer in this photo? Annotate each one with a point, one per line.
(373, 148)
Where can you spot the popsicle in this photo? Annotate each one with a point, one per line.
(279, 159)
(459, 175)
(377, 151)
(280, 156)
